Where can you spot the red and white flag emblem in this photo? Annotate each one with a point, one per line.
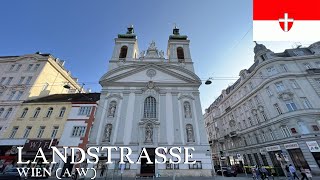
(286, 20)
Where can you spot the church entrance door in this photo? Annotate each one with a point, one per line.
(148, 168)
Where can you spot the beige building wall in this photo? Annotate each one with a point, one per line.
(41, 120)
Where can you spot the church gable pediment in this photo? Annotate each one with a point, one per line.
(150, 72)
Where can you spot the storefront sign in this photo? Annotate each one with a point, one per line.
(313, 146)
(34, 145)
(291, 146)
(263, 151)
(273, 148)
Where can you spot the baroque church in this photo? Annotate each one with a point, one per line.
(149, 100)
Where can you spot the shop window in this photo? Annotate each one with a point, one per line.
(197, 165)
(171, 166)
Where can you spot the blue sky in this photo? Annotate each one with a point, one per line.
(82, 32)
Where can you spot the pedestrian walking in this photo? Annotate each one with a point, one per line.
(293, 172)
(288, 173)
(303, 174)
(264, 173)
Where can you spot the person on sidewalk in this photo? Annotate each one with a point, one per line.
(303, 174)
(293, 172)
(289, 175)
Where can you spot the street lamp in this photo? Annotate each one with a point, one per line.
(208, 81)
(67, 86)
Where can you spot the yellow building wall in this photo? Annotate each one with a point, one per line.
(41, 120)
(56, 77)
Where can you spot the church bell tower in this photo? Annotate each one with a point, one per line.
(126, 46)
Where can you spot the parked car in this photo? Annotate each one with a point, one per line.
(227, 171)
(12, 174)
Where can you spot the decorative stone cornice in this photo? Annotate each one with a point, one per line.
(113, 95)
(186, 96)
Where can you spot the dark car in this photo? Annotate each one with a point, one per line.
(227, 171)
(11, 174)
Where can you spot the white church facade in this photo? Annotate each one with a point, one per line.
(149, 101)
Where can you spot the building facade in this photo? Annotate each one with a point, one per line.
(77, 128)
(30, 76)
(150, 101)
(271, 115)
(55, 120)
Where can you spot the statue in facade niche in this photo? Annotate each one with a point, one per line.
(149, 132)
(112, 109)
(190, 137)
(187, 110)
(107, 133)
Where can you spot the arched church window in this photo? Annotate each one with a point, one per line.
(123, 52)
(187, 109)
(180, 53)
(150, 107)
(190, 134)
(112, 108)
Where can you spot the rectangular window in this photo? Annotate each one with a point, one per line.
(27, 132)
(269, 91)
(284, 68)
(29, 67)
(9, 80)
(315, 128)
(197, 165)
(294, 84)
(318, 64)
(250, 103)
(11, 95)
(271, 70)
(78, 131)
(2, 80)
(291, 106)
(36, 67)
(280, 87)
(13, 132)
(11, 67)
(285, 131)
(41, 130)
(307, 66)
(85, 110)
(251, 85)
(28, 80)
(256, 98)
(276, 106)
(54, 131)
(19, 95)
(18, 67)
(272, 137)
(244, 123)
(21, 80)
(306, 103)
